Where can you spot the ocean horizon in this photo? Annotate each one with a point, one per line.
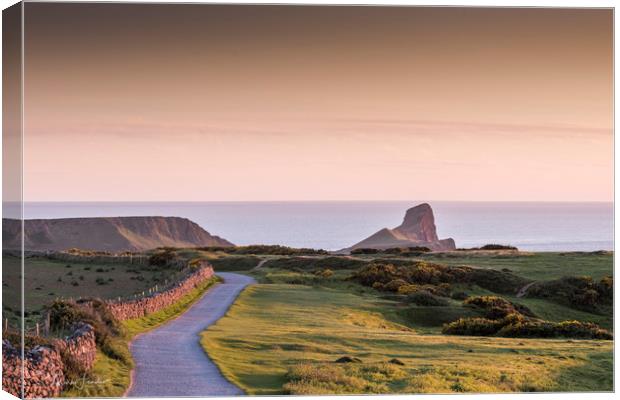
(333, 225)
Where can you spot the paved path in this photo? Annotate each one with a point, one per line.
(524, 289)
(260, 263)
(169, 359)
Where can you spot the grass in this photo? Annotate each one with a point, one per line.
(110, 377)
(234, 263)
(47, 280)
(536, 266)
(276, 330)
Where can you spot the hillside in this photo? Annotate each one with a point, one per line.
(112, 234)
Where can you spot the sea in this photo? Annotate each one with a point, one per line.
(333, 225)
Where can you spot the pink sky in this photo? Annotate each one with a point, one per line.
(195, 103)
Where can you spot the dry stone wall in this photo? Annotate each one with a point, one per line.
(79, 348)
(131, 309)
(44, 366)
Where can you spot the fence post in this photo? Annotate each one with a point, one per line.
(37, 329)
(47, 324)
(6, 324)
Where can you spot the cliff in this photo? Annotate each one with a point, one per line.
(418, 229)
(113, 234)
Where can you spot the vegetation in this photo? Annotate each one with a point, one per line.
(580, 292)
(274, 250)
(50, 276)
(402, 251)
(492, 247)
(503, 318)
(279, 338)
(313, 263)
(235, 263)
(389, 277)
(533, 266)
(113, 364)
(515, 325)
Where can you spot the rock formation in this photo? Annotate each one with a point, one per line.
(112, 234)
(418, 229)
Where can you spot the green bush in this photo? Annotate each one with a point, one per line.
(425, 298)
(64, 314)
(497, 307)
(497, 247)
(162, 257)
(546, 329)
(422, 272)
(579, 292)
(302, 264)
(260, 249)
(472, 327)
(394, 285)
(364, 250)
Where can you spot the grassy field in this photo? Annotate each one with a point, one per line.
(110, 376)
(277, 338)
(47, 280)
(536, 266)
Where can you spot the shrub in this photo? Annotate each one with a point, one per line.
(302, 264)
(579, 292)
(364, 251)
(325, 273)
(394, 285)
(497, 307)
(162, 258)
(546, 329)
(459, 295)
(275, 250)
(472, 327)
(425, 298)
(497, 247)
(422, 272)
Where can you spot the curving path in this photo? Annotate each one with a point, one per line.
(169, 360)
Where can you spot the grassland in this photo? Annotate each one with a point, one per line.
(283, 338)
(274, 327)
(536, 266)
(47, 280)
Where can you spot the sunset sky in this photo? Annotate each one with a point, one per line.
(199, 102)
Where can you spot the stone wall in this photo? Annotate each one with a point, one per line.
(78, 349)
(44, 366)
(146, 305)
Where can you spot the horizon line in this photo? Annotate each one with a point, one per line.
(309, 201)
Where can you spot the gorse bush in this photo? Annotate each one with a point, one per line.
(403, 251)
(507, 319)
(260, 249)
(302, 264)
(579, 292)
(472, 327)
(64, 314)
(497, 247)
(497, 307)
(425, 298)
(421, 272)
(163, 257)
(546, 329)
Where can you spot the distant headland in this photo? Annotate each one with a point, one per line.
(418, 229)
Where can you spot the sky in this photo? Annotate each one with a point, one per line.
(260, 103)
